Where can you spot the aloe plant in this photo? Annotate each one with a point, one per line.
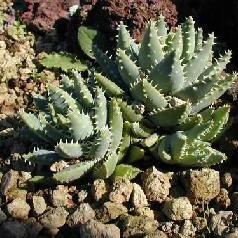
(154, 97)
(172, 78)
(78, 122)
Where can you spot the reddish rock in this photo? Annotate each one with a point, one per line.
(43, 14)
(106, 14)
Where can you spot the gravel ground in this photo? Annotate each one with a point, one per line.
(159, 202)
(193, 203)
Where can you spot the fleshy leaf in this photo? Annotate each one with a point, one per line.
(116, 124)
(74, 172)
(87, 37)
(200, 60)
(151, 52)
(63, 61)
(106, 168)
(100, 109)
(188, 39)
(126, 171)
(81, 125)
(170, 116)
(135, 154)
(82, 91)
(69, 150)
(100, 146)
(109, 86)
(125, 42)
(127, 68)
(168, 74)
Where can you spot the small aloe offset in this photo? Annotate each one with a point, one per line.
(78, 122)
(167, 82)
(191, 147)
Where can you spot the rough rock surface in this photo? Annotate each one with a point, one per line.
(231, 235)
(187, 229)
(170, 228)
(9, 181)
(16, 193)
(105, 15)
(81, 215)
(156, 234)
(136, 226)
(82, 195)
(223, 200)
(110, 211)
(18, 209)
(95, 229)
(39, 204)
(54, 218)
(121, 190)
(202, 185)
(178, 209)
(145, 212)
(226, 180)
(16, 50)
(156, 185)
(220, 222)
(40, 15)
(138, 197)
(60, 196)
(200, 223)
(99, 189)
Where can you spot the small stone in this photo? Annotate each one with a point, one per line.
(202, 185)
(9, 181)
(53, 232)
(138, 197)
(99, 189)
(13, 229)
(223, 199)
(39, 204)
(200, 223)
(144, 211)
(220, 223)
(121, 190)
(18, 209)
(95, 229)
(136, 226)
(231, 235)
(60, 196)
(24, 177)
(226, 180)
(178, 209)
(54, 218)
(156, 185)
(170, 228)
(81, 215)
(58, 166)
(16, 193)
(110, 211)
(82, 195)
(3, 216)
(156, 234)
(187, 229)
